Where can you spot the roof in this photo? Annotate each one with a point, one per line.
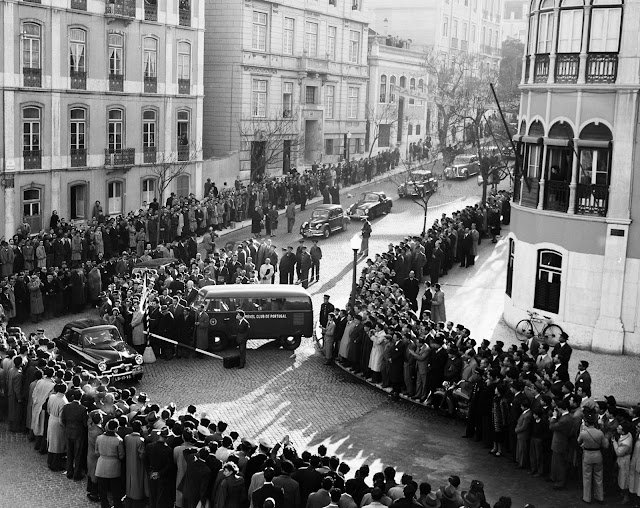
(255, 290)
(327, 207)
(81, 324)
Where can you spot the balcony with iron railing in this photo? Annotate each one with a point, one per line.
(150, 11)
(184, 86)
(79, 5)
(567, 68)
(78, 80)
(183, 153)
(32, 77)
(116, 82)
(32, 159)
(592, 199)
(114, 157)
(541, 68)
(150, 84)
(121, 8)
(149, 154)
(78, 157)
(602, 67)
(556, 196)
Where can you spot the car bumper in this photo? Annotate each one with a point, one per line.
(122, 373)
(309, 233)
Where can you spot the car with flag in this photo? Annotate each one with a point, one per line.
(99, 347)
(420, 182)
(325, 219)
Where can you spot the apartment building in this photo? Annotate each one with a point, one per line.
(94, 94)
(285, 83)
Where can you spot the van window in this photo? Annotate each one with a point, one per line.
(296, 303)
(218, 305)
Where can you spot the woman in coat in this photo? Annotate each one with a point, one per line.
(55, 431)
(7, 256)
(36, 303)
(93, 431)
(94, 282)
(345, 342)
(137, 485)
(438, 312)
(76, 249)
(273, 220)
(499, 418)
(110, 451)
(137, 329)
(256, 222)
(634, 466)
(375, 360)
(99, 242)
(622, 446)
(28, 252)
(231, 493)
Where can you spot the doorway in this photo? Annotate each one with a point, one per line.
(32, 208)
(114, 198)
(79, 202)
(286, 157)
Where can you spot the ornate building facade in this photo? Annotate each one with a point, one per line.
(574, 247)
(94, 93)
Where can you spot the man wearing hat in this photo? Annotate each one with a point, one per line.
(562, 349)
(110, 452)
(304, 265)
(316, 256)
(592, 441)
(287, 266)
(583, 378)
(158, 460)
(242, 336)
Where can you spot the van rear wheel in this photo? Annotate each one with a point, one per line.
(217, 342)
(290, 342)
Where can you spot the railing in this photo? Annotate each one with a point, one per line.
(32, 77)
(464, 45)
(454, 43)
(80, 5)
(33, 1)
(592, 199)
(184, 15)
(149, 154)
(78, 80)
(150, 84)
(183, 153)
(32, 159)
(116, 82)
(541, 70)
(556, 196)
(119, 156)
(567, 67)
(530, 188)
(121, 8)
(602, 67)
(150, 12)
(184, 86)
(527, 63)
(78, 157)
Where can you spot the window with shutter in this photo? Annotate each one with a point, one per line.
(548, 281)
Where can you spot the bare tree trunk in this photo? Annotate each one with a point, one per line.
(424, 222)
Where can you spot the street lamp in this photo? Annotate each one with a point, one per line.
(355, 247)
(348, 147)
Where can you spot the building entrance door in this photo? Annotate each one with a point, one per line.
(79, 202)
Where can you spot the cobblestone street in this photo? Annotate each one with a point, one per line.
(293, 393)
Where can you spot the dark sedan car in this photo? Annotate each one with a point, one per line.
(325, 219)
(99, 347)
(369, 206)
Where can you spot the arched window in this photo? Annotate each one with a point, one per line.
(548, 281)
(115, 130)
(392, 85)
(149, 188)
(116, 54)
(31, 129)
(421, 85)
(31, 45)
(532, 163)
(32, 207)
(412, 84)
(403, 82)
(184, 60)
(78, 131)
(594, 153)
(150, 55)
(558, 167)
(149, 129)
(115, 197)
(183, 135)
(383, 88)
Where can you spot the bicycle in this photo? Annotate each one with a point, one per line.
(533, 327)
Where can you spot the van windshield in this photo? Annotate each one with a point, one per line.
(249, 304)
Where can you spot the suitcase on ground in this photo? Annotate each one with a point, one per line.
(231, 362)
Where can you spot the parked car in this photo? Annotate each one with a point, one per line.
(325, 219)
(99, 347)
(463, 167)
(419, 183)
(369, 206)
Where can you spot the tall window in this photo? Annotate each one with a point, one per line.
(488, 41)
(184, 60)
(410, 130)
(403, 82)
(148, 189)
(548, 281)
(421, 85)
(259, 99)
(445, 27)
(570, 31)
(392, 86)
(484, 35)
(259, 34)
(329, 97)
(149, 128)
(311, 38)
(454, 29)
(287, 99)
(78, 129)
(545, 32)
(604, 36)
(354, 46)
(31, 129)
(116, 50)
(412, 84)
(473, 33)
(310, 95)
(383, 88)
(352, 103)
(331, 42)
(115, 128)
(150, 55)
(510, 263)
(287, 42)
(31, 44)
(77, 50)
(464, 31)
(534, 160)
(183, 129)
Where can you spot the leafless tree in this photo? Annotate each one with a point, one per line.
(273, 131)
(378, 115)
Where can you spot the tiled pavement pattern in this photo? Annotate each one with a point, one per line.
(282, 392)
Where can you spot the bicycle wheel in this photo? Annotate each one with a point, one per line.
(524, 330)
(551, 334)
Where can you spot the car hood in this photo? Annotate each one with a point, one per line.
(110, 353)
(364, 205)
(459, 166)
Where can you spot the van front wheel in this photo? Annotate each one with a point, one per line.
(290, 342)
(217, 342)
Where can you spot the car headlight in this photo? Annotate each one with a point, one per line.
(138, 359)
(102, 366)
(318, 226)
